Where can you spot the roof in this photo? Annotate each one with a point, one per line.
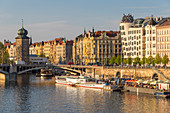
(152, 22)
(108, 33)
(165, 22)
(14, 44)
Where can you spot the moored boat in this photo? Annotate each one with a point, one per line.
(80, 81)
(46, 73)
(162, 94)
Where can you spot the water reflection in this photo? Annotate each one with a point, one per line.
(35, 94)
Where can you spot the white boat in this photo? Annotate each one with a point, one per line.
(80, 81)
(46, 72)
(91, 85)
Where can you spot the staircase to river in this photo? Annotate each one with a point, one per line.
(159, 72)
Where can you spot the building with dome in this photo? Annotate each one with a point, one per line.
(138, 36)
(22, 45)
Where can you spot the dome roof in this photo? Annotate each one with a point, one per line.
(22, 31)
(152, 22)
(139, 21)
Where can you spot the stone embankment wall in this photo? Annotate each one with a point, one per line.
(140, 90)
(134, 73)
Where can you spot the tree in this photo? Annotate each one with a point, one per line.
(4, 56)
(158, 59)
(118, 60)
(124, 61)
(165, 59)
(150, 60)
(143, 61)
(41, 55)
(137, 61)
(112, 60)
(129, 60)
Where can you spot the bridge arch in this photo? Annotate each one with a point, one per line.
(4, 72)
(27, 70)
(155, 76)
(118, 74)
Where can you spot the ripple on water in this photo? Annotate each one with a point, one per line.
(39, 95)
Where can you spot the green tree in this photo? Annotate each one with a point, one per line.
(112, 60)
(137, 61)
(165, 59)
(118, 60)
(124, 61)
(143, 61)
(4, 56)
(129, 60)
(41, 55)
(150, 60)
(158, 59)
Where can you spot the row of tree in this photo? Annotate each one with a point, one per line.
(150, 60)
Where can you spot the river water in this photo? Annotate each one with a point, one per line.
(37, 95)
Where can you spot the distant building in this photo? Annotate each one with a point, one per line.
(22, 46)
(64, 52)
(39, 48)
(33, 59)
(32, 49)
(78, 49)
(52, 57)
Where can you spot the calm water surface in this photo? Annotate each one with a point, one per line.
(36, 95)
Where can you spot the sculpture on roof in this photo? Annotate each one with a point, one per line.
(127, 18)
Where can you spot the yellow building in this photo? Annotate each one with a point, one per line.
(39, 48)
(78, 49)
(46, 48)
(52, 57)
(100, 46)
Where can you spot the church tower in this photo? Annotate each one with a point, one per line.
(22, 45)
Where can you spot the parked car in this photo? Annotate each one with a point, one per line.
(70, 63)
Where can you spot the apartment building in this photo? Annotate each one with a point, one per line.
(163, 38)
(101, 45)
(138, 36)
(64, 52)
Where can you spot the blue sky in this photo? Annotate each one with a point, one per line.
(49, 19)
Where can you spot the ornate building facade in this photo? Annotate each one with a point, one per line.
(100, 46)
(138, 36)
(78, 49)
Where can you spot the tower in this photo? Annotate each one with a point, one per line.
(22, 45)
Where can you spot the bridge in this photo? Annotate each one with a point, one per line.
(98, 72)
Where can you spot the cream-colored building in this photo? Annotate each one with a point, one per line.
(163, 38)
(78, 49)
(12, 51)
(150, 34)
(39, 48)
(46, 48)
(138, 36)
(64, 52)
(100, 46)
(32, 49)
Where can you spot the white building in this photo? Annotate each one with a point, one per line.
(32, 49)
(33, 59)
(138, 36)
